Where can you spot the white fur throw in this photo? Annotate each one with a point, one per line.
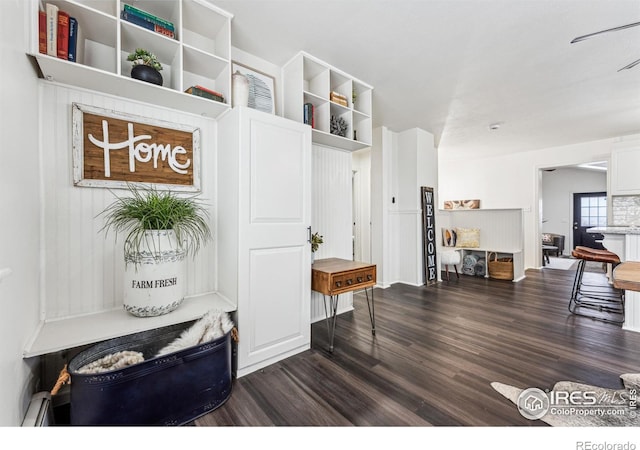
(113, 361)
(213, 325)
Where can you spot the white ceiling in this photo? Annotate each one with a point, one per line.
(453, 67)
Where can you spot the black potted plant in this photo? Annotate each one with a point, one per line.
(146, 66)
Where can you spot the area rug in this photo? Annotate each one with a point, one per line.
(560, 263)
(571, 404)
(572, 264)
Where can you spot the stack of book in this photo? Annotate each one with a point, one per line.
(57, 33)
(308, 118)
(147, 20)
(338, 98)
(205, 93)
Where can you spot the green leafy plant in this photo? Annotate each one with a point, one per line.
(316, 240)
(144, 57)
(150, 209)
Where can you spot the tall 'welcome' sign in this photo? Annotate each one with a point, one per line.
(111, 149)
(429, 236)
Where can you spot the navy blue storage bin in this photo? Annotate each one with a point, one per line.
(172, 389)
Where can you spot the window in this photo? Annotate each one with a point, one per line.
(593, 211)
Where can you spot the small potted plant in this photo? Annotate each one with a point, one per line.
(161, 228)
(316, 240)
(146, 66)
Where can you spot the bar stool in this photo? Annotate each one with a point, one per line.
(450, 257)
(596, 297)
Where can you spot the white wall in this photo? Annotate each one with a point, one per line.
(383, 142)
(415, 165)
(558, 187)
(19, 199)
(401, 163)
(513, 181)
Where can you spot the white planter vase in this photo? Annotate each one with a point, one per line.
(240, 89)
(154, 281)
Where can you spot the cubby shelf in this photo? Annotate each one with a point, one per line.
(501, 232)
(200, 54)
(55, 335)
(307, 79)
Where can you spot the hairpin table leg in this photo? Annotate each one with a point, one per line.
(372, 311)
(330, 316)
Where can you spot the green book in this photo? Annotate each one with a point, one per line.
(155, 19)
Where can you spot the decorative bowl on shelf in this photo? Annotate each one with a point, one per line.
(146, 73)
(146, 66)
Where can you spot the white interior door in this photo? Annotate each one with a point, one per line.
(275, 255)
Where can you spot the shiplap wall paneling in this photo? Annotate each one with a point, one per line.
(83, 268)
(331, 214)
(500, 229)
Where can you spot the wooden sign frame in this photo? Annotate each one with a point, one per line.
(430, 262)
(123, 149)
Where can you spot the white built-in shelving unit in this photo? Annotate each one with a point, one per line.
(307, 79)
(501, 233)
(200, 54)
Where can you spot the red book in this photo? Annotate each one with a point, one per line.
(63, 35)
(42, 31)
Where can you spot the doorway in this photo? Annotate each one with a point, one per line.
(555, 202)
(589, 210)
(361, 205)
(356, 236)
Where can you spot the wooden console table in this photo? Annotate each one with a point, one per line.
(334, 276)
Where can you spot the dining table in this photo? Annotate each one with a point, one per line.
(626, 275)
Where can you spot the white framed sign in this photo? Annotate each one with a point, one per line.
(113, 149)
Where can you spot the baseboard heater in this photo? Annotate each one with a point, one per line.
(39, 413)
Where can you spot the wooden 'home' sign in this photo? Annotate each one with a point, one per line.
(111, 149)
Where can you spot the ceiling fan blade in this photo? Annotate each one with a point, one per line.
(630, 66)
(587, 36)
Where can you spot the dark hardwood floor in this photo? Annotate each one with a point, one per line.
(434, 355)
